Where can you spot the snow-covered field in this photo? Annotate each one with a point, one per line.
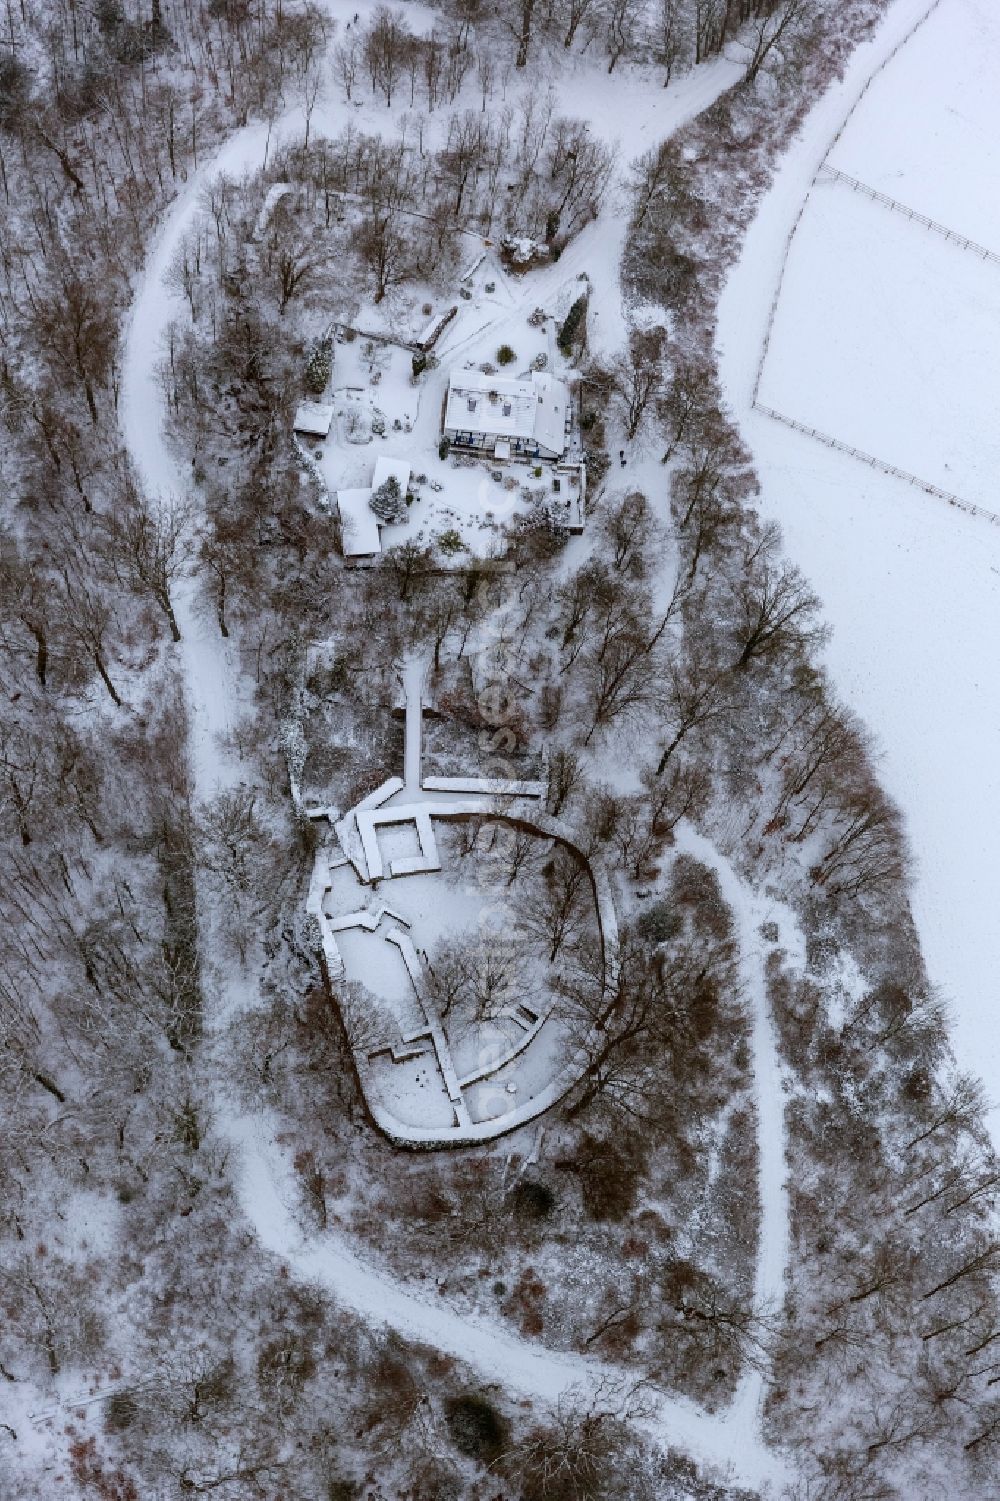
(911, 586)
(885, 338)
(926, 131)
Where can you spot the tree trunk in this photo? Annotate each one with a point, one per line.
(99, 662)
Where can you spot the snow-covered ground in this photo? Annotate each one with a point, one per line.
(926, 131)
(885, 338)
(911, 586)
(729, 1442)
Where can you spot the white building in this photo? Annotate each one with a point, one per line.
(360, 529)
(314, 418)
(396, 469)
(488, 414)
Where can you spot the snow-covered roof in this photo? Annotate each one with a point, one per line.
(396, 469)
(314, 418)
(358, 524)
(534, 410)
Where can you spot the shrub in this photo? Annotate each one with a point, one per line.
(120, 1412)
(506, 355)
(444, 448)
(609, 1178)
(15, 88)
(450, 542)
(478, 1430)
(532, 1200)
(659, 923)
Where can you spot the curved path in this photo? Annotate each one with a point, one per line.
(729, 1443)
(911, 586)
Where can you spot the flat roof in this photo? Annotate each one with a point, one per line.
(314, 418)
(358, 523)
(391, 468)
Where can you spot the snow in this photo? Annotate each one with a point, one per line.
(314, 418)
(273, 198)
(403, 1095)
(730, 1443)
(532, 412)
(898, 356)
(327, 1259)
(752, 911)
(396, 469)
(359, 531)
(488, 786)
(911, 586)
(926, 132)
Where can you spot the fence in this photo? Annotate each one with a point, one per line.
(822, 165)
(911, 213)
(885, 468)
(968, 506)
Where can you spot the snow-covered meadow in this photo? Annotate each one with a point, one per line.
(911, 585)
(885, 339)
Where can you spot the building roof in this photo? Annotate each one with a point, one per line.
(391, 468)
(532, 410)
(314, 418)
(358, 524)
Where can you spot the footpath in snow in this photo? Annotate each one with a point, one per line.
(729, 1442)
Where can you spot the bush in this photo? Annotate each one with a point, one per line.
(532, 1200)
(450, 542)
(658, 923)
(506, 355)
(444, 448)
(120, 1412)
(478, 1430)
(609, 1177)
(15, 89)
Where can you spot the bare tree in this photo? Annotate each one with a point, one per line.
(517, 17)
(622, 20)
(628, 532)
(153, 544)
(635, 377)
(773, 29)
(557, 912)
(346, 61)
(775, 610)
(386, 46)
(574, 13)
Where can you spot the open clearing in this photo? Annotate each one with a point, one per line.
(885, 332)
(885, 338)
(911, 586)
(926, 131)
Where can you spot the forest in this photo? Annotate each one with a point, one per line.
(189, 1180)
